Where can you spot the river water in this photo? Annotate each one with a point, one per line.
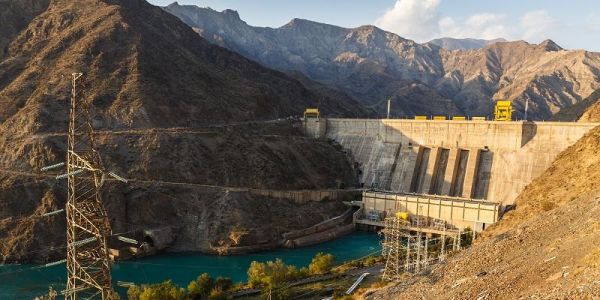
(28, 281)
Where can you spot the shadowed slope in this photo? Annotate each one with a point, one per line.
(155, 86)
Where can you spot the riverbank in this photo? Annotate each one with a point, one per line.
(27, 281)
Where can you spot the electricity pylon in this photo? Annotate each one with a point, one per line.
(88, 264)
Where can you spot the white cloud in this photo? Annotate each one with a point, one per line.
(537, 24)
(484, 26)
(422, 21)
(416, 19)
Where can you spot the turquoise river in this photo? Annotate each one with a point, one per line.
(28, 281)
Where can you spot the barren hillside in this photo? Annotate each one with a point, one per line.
(156, 86)
(547, 248)
(584, 111)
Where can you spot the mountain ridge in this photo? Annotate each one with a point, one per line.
(464, 44)
(371, 65)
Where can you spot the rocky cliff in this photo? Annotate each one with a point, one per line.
(373, 65)
(162, 97)
(588, 110)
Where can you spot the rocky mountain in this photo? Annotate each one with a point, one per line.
(184, 119)
(15, 15)
(464, 44)
(592, 114)
(588, 110)
(373, 65)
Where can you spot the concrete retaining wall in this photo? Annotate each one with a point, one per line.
(327, 224)
(485, 159)
(304, 196)
(322, 232)
(320, 237)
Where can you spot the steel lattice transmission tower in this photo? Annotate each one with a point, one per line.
(404, 251)
(392, 248)
(88, 264)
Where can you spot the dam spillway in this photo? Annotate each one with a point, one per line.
(487, 160)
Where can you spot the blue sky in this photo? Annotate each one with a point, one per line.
(572, 24)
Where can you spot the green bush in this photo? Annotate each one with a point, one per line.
(161, 291)
(223, 283)
(201, 287)
(271, 273)
(303, 272)
(370, 261)
(321, 263)
(256, 272)
(133, 293)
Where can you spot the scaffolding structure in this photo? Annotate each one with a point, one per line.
(407, 249)
(88, 264)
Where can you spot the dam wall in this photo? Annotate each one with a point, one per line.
(488, 160)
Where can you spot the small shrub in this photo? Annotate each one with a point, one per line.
(201, 287)
(278, 294)
(162, 291)
(548, 205)
(303, 272)
(321, 263)
(271, 273)
(217, 294)
(370, 261)
(133, 293)
(256, 273)
(223, 283)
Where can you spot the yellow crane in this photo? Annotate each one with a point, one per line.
(312, 113)
(503, 110)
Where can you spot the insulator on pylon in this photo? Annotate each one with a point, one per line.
(69, 174)
(46, 168)
(53, 213)
(117, 177)
(55, 263)
(86, 241)
(125, 284)
(79, 289)
(127, 240)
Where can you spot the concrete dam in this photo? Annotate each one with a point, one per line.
(488, 160)
(471, 162)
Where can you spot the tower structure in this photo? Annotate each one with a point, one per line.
(88, 265)
(408, 246)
